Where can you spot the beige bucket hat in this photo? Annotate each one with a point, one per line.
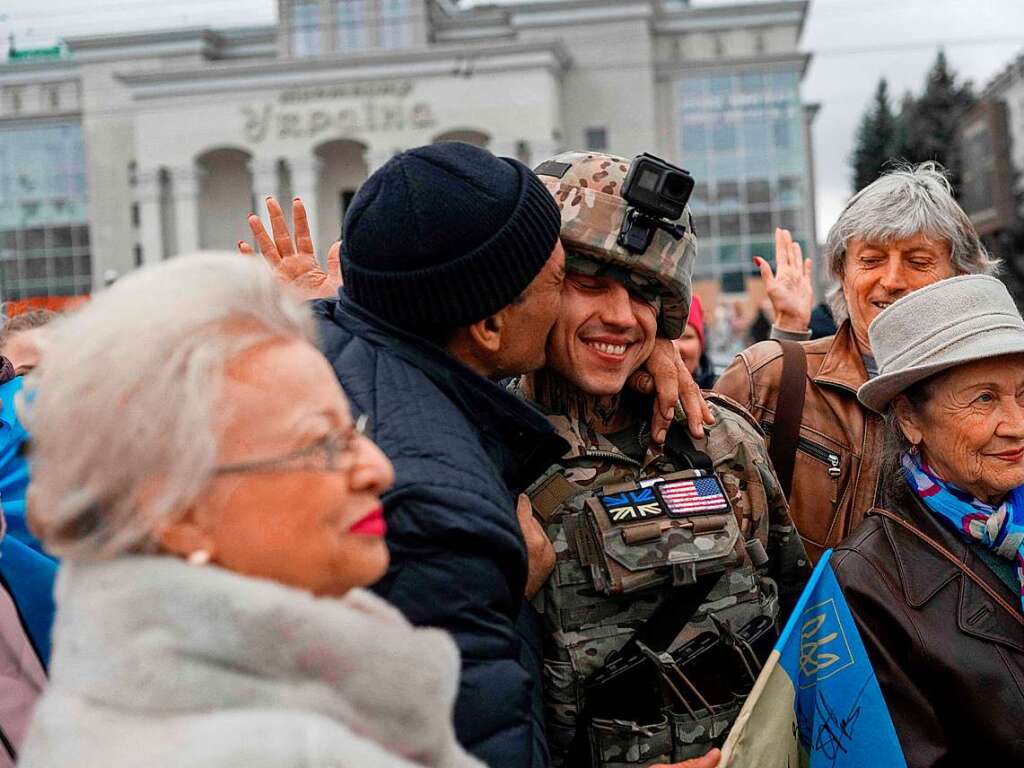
(940, 326)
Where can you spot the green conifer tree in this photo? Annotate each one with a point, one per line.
(877, 139)
(930, 122)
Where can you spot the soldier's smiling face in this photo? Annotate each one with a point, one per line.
(603, 334)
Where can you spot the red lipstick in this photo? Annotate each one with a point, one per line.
(371, 524)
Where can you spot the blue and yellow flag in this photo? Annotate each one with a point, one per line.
(817, 702)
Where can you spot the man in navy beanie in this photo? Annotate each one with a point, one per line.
(452, 280)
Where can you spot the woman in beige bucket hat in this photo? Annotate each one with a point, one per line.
(934, 580)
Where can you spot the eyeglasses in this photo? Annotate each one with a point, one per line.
(334, 452)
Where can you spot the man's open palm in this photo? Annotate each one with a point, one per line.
(294, 261)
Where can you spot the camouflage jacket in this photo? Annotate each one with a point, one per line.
(584, 623)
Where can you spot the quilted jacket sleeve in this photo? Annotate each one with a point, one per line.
(458, 563)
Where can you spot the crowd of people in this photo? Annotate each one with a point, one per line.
(457, 497)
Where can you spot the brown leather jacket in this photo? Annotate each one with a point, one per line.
(949, 659)
(836, 470)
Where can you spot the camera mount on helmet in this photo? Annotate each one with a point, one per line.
(656, 191)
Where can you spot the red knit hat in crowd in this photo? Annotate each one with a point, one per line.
(696, 318)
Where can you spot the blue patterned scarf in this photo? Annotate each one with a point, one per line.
(1000, 530)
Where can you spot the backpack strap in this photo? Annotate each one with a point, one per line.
(789, 409)
(929, 541)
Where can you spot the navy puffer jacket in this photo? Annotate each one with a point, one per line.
(462, 448)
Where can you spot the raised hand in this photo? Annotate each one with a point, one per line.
(294, 261)
(790, 289)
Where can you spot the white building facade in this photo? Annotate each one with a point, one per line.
(133, 148)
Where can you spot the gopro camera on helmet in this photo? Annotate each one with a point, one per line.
(655, 191)
(657, 188)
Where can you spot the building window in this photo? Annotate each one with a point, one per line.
(306, 28)
(596, 139)
(395, 24)
(733, 282)
(351, 31)
(44, 238)
(135, 214)
(523, 152)
(741, 136)
(138, 255)
(53, 96)
(13, 99)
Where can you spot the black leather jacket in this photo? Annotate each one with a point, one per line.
(949, 659)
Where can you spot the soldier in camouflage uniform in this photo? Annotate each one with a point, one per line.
(616, 565)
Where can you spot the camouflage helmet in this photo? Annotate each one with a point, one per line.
(586, 187)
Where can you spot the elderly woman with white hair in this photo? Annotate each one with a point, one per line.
(934, 577)
(898, 234)
(217, 509)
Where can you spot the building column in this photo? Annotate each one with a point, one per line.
(149, 194)
(820, 272)
(185, 194)
(265, 180)
(305, 177)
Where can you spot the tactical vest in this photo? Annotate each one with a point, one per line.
(626, 534)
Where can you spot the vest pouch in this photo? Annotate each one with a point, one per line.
(561, 705)
(634, 536)
(624, 743)
(705, 663)
(694, 736)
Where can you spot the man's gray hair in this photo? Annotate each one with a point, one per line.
(124, 409)
(905, 202)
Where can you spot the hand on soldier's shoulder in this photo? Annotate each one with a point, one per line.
(710, 760)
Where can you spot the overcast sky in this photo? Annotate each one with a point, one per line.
(853, 42)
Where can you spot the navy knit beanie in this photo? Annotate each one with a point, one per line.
(445, 235)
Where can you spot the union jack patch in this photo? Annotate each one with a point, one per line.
(632, 506)
(693, 496)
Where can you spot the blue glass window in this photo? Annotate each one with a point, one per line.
(691, 91)
(750, 155)
(306, 28)
(43, 212)
(721, 84)
(723, 135)
(350, 29)
(395, 24)
(752, 82)
(783, 82)
(694, 138)
(730, 253)
(755, 134)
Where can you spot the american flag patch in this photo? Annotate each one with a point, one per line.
(693, 496)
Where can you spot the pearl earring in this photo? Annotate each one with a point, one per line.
(199, 557)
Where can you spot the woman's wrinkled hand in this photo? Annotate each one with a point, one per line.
(294, 261)
(665, 376)
(790, 288)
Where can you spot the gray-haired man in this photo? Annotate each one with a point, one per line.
(900, 233)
